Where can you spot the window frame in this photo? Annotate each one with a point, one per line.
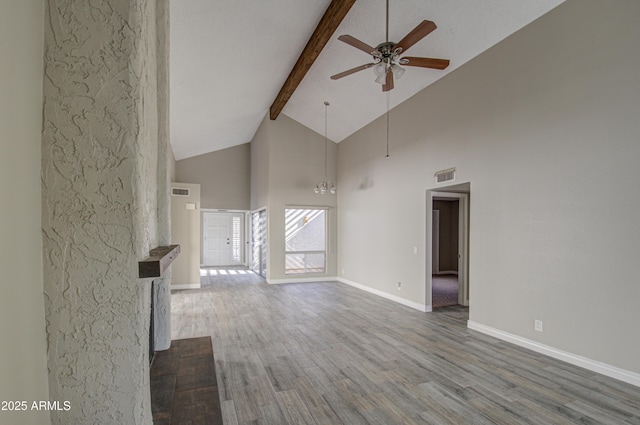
(302, 272)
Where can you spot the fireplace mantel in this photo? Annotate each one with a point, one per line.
(159, 260)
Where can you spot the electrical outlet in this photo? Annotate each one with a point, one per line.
(398, 285)
(537, 325)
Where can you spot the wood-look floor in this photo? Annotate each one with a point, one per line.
(326, 353)
(184, 387)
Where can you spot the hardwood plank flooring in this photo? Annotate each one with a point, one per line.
(326, 353)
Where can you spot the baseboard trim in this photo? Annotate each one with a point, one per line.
(181, 286)
(301, 280)
(421, 307)
(574, 359)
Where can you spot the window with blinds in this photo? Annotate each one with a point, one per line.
(305, 240)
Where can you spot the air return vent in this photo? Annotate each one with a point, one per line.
(445, 175)
(178, 191)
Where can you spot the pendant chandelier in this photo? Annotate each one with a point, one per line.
(325, 186)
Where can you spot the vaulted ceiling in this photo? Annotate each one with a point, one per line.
(229, 59)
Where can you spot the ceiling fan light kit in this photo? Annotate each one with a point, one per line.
(398, 71)
(380, 69)
(386, 56)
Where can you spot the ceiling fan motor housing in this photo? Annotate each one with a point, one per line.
(384, 52)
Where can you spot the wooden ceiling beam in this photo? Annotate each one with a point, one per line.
(332, 18)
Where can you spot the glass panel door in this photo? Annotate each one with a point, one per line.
(259, 242)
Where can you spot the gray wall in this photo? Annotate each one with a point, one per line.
(223, 176)
(172, 164)
(23, 369)
(260, 165)
(545, 128)
(287, 161)
(185, 231)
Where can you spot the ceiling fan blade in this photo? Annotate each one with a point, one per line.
(421, 31)
(352, 41)
(388, 84)
(426, 62)
(352, 71)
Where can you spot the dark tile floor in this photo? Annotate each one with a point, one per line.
(183, 384)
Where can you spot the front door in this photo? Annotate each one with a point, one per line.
(222, 244)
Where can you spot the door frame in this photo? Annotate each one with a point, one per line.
(463, 244)
(435, 242)
(243, 243)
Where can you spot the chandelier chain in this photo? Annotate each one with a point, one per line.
(325, 186)
(326, 112)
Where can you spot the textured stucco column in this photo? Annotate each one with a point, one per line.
(162, 312)
(100, 155)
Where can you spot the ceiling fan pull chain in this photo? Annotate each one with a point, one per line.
(388, 103)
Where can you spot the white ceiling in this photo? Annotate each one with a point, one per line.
(229, 59)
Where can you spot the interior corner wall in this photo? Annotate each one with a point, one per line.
(185, 231)
(100, 203)
(259, 163)
(223, 177)
(22, 321)
(294, 164)
(172, 164)
(544, 126)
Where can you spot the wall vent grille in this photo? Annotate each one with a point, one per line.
(178, 191)
(445, 175)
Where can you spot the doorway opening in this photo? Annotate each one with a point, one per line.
(445, 289)
(447, 278)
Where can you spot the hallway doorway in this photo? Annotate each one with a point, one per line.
(447, 236)
(445, 289)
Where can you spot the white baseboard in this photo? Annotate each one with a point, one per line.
(422, 307)
(301, 280)
(574, 359)
(439, 272)
(180, 286)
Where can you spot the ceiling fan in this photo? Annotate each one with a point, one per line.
(386, 56)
